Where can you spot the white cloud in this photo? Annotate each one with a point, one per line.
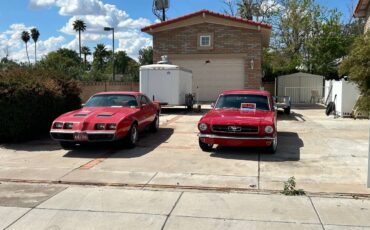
(11, 43)
(95, 14)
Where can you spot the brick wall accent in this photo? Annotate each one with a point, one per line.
(226, 40)
(270, 87)
(90, 88)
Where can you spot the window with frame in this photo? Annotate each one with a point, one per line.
(205, 40)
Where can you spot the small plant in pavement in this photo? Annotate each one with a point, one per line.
(290, 190)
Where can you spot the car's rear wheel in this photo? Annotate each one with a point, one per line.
(67, 145)
(132, 136)
(154, 126)
(204, 146)
(273, 147)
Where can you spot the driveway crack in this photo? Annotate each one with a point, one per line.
(169, 214)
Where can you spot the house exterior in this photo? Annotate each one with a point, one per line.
(223, 52)
(363, 11)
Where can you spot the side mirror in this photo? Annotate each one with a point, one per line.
(213, 105)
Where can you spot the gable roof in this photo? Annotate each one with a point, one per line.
(206, 12)
(361, 8)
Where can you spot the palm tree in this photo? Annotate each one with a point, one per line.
(35, 34)
(85, 51)
(79, 26)
(26, 38)
(99, 55)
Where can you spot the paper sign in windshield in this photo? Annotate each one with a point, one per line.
(248, 106)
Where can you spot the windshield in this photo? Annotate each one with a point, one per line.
(108, 100)
(233, 101)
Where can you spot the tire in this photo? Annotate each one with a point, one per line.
(132, 136)
(67, 145)
(273, 147)
(287, 111)
(205, 147)
(154, 126)
(330, 108)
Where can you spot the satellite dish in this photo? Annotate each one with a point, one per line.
(160, 7)
(161, 4)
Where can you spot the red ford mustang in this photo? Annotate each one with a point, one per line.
(240, 118)
(108, 116)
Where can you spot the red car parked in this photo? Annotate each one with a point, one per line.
(108, 116)
(240, 118)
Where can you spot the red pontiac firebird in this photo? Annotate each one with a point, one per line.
(108, 116)
(240, 118)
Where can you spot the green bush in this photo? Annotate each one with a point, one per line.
(30, 99)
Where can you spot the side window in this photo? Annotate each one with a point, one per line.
(148, 100)
(143, 100)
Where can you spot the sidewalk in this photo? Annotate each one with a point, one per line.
(36, 206)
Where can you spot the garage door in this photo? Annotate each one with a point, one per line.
(211, 78)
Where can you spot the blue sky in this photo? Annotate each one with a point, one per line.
(54, 18)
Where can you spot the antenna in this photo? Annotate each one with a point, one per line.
(159, 8)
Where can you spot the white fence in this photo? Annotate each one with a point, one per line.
(305, 95)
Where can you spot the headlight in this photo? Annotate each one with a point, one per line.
(269, 129)
(111, 126)
(99, 126)
(58, 125)
(68, 125)
(202, 127)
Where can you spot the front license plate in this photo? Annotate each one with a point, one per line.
(80, 136)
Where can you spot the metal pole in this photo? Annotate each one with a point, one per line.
(368, 161)
(164, 14)
(114, 69)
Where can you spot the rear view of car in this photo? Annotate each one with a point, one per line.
(240, 118)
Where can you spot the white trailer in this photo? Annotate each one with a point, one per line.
(169, 84)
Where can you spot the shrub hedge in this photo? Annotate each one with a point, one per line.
(30, 99)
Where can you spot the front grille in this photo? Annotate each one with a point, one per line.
(63, 136)
(100, 137)
(235, 129)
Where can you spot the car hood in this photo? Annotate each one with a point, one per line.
(239, 117)
(97, 114)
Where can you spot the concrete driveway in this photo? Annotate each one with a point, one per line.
(324, 154)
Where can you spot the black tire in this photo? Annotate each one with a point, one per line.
(67, 145)
(154, 126)
(132, 136)
(330, 108)
(273, 147)
(205, 147)
(287, 111)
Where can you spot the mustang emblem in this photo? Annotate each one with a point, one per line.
(234, 128)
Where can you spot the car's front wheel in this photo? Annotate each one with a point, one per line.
(154, 126)
(67, 145)
(204, 146)
(273, 147)
(132, 136)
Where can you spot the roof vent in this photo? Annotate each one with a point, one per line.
(164, 60)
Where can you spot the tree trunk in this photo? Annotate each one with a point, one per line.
(35, 53)
(27, 55)
(79, 41)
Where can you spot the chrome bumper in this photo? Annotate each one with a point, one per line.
(92, 136)
(78, 131)
(213, 136)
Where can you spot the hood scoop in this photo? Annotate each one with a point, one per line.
(104, 115)
(80, 115)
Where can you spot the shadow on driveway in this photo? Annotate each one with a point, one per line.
(147, 143)
(289, 145)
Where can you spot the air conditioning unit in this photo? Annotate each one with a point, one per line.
(161, 4)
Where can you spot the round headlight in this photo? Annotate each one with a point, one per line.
(269, 129)
(99, 126)
(111, 126)
(202, 127)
